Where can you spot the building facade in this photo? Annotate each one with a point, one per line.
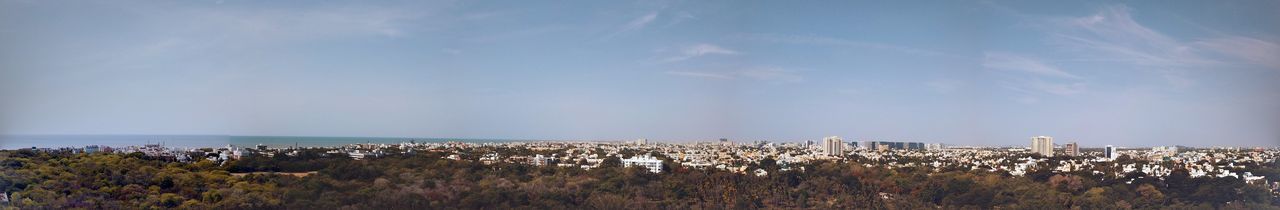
(1042, 145)
(653, 164)
(1073, 149)
(833, 146)
(1110, 152)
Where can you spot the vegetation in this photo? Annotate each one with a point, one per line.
(427, 180)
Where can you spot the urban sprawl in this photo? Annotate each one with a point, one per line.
(1042, 154)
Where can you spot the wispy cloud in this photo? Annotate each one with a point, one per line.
(294, 24)
(640, 22)
(679, 17)
(697, 50)
(772, 74)
(944, 85)
(763, 74)
(634, 25)
(1249, 49)
(699, 74)
(1070, 88)
(1032, 75)
(836, 42)
(1012, 62)
(1113, 35)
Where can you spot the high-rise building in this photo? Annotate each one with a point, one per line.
(833, 146)
(725, 142)
(642, 141)
(1042, 145)
(1110, 152)
(915, 145)
(893, 145)
(1073, 149)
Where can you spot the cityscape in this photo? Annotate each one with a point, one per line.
(1041, 157)
(639, 104)
(725, 154)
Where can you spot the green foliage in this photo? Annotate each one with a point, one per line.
(427, 181)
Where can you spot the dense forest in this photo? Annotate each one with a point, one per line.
(427, 180)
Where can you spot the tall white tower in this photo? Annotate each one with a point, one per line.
(1042, 145)
(833, 146)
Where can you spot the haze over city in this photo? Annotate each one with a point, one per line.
(963, 73)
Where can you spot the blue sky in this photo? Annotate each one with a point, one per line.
(1135, 73)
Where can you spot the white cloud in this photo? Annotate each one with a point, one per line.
(772, 74)
(640, 22)
(1035, 76)
(680, 18)
(293, 24)
(1252, 50)
(1057, 88)
(944, 85)
(699, 50)
(1012, 62)
(699, 74)
(1113, 35)
(836, 42)
(763, 74)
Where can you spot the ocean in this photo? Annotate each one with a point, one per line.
(203, 141)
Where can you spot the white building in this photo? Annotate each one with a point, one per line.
(653, 164)
(1042, 145)
(642, 141)
(539, 160)
(1110, 152)
(833, 146)
(933, 146)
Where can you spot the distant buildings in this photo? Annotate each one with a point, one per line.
(833, 146)
(539, 160)
(1110, 152)
(1042, 145)
(1164, 152)
(1073, 149)
(725, 142)
(934, 146)
(1169, 150)
(891, 145)
(653, 164)
(642, 141)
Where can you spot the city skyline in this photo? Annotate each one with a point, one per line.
(1142, 73)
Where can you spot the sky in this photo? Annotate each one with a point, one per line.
(1132, 73)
